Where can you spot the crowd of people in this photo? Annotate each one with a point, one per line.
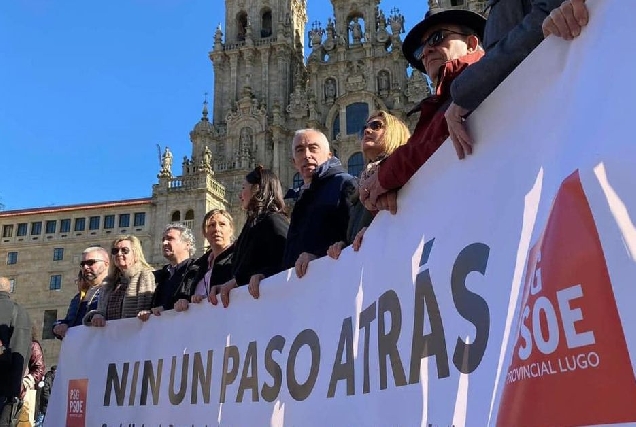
(464, 55)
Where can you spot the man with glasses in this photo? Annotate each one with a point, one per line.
(93, 272)
(443, 46)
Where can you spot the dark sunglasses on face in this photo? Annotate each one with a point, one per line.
(90, 262)
(115, 251)
(373, 125)
(435, 39)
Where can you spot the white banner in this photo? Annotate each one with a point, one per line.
(500, 294)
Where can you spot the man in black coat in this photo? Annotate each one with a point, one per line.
(15, 351)
(321, 213)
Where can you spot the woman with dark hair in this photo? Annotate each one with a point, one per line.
(214, 267)
(259, 248)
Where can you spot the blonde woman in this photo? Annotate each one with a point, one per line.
(129, 286)
(380, 136)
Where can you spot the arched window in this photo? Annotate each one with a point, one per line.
(357, 114)
(355, 164)
(241, 24)
(189, 215)
(176, 216)
(266, 23)
(335, 126)
(298, 181)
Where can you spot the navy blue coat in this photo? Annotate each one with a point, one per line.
(321, 214)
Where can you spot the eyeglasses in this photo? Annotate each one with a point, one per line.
(90, 262)
(373, 125)
(115, 251)
(435, 39)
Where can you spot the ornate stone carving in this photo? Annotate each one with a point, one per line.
(330, 40)
(382, 35)
(166, 164)
(218, 38)
(330, 89)
(384, 82)
(417, 87)
(247, 106)
(356, 80)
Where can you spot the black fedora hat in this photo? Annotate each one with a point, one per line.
(413, 39)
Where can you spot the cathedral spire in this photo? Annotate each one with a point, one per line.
(205, 108)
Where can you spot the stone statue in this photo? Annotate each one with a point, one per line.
(330, 89)
(383, 81)
(166, 163)
(207, 157)
(356, 31)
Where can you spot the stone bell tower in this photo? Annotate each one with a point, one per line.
(257, 58)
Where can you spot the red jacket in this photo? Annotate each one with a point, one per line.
(431, 130)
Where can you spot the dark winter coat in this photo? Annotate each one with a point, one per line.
(260, 247)
(15, 334)
(221, 273)
(321, 214)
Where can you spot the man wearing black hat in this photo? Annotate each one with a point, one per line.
(513, 31)
(443, 45)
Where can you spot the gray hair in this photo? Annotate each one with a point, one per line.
(321, 136)
(186, 234)
(103, 251)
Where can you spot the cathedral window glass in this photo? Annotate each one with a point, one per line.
(266, 24)
(335, 127)
(93, 223)
(357, 114)
(140, 219)
(50, 226)
(124, 220)
(22, 229)
(7, 230)
(241, 24)
(65, 226)
(36, 228)
(55, 284)
(80, 224)
(109, 221)
(355, 164)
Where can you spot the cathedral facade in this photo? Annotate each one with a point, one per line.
(273, 75)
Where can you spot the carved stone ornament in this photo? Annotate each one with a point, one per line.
(356, 80)
(247, 106)
(417, 87)
(298, 103)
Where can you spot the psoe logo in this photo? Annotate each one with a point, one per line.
(76, 403)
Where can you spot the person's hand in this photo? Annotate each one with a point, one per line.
(567, 20)
(455, 119)
(144, 315)
(357, 241)
(335, 250)
(156, 311)
(60, 329)
(181, 305)
(302, 262)
(387, 202)
(196, 298)
(254, 285)
(224, 293)
(98, 320)
(370, 188)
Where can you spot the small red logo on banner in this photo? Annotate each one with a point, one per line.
(76, 409)
(570, 364)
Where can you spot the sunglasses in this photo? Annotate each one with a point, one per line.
(115, 251)
(435, 39)
(373, 125)
(90, 262)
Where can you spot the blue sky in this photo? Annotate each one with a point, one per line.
(88, 89)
